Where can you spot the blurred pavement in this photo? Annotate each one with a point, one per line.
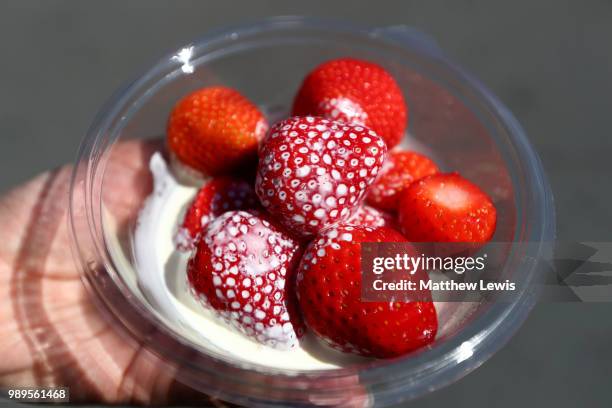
(549, 61)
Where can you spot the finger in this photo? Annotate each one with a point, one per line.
(127, 180)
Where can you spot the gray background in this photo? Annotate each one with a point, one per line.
(549, 61)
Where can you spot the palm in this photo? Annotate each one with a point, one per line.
(52, 333)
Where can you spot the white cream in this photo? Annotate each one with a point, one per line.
(157, 274)
(161, 276)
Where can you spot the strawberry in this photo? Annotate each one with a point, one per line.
(329, 294)
(312, 172)
(243, 268)
(399, 171)
(215, 130)
(217, 196)
(367, 216)
(446, 208)
(355, 91)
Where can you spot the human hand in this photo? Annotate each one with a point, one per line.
(53, 335)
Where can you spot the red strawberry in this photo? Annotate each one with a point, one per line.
(217, 196)
(329, 293)
(367, 216)
(243, 268)
(312, 172)
(355, 91)
(446, 208)
(399, 171)
(215, 130)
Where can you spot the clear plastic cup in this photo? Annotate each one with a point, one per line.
(450, 113)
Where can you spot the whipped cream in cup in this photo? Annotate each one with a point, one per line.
(161, 273)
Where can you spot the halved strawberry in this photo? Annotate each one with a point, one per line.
(355, 91)
(312, 172)
(400, 170)
(243, 267)
(218, 195)
(329, 294)
(446, 208)
(215, 130)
